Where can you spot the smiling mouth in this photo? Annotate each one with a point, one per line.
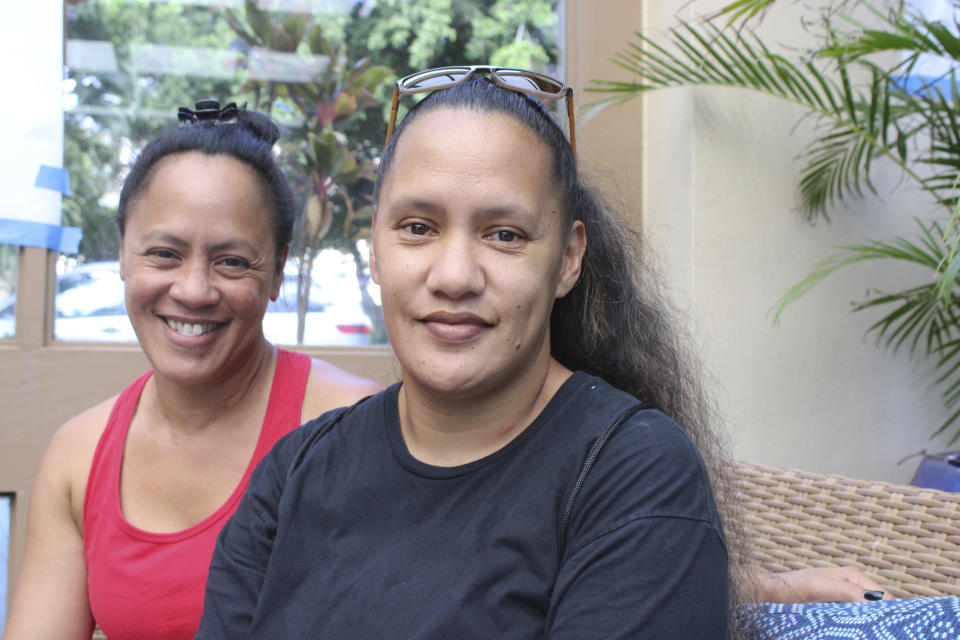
(191, 328)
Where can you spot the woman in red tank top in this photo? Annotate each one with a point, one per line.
(131, 494)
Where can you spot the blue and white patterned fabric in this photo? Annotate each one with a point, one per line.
(905, 619)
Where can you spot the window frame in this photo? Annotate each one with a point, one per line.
(47, 381)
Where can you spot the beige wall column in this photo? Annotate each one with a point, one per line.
(609, 144)
(719, 202)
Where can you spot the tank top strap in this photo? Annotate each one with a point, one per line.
(285, 406)
(103, 481)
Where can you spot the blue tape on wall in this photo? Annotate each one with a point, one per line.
(53, 178)
(39, 234)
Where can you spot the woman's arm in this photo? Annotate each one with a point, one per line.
(240, 559)
(646, 556)
(829, 584)
(244, 547)
(50, 600)
(650, 578)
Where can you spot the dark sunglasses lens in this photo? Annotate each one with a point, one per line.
(524, 81)
(433, 79)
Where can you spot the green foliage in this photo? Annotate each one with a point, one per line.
(864, 111)
(333, 125)
(745, 9)
(116, 112)
(409, 35)
(516, 34)
(859, 122)
(325, 164)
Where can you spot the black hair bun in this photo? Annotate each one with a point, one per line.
(209, 112)
(260, 125)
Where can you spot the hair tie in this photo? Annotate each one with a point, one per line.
(209, 111)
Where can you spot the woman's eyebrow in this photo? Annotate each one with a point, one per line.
(173, 239)
(163, 236)
(233, 244)
(414, 203)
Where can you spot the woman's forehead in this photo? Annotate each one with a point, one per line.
(445, 131)
(471, 145)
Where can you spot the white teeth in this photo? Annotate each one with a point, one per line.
(188, 329)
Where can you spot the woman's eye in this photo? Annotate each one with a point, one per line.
(234, 263)
(163, 254)
(418, 228)
(505, 236)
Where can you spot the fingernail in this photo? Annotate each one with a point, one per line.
(873, 595)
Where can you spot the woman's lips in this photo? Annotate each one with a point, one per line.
(455, 327)
(190, 331)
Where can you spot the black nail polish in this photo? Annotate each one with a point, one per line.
(873, 595)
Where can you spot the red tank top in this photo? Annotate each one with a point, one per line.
(149, 586)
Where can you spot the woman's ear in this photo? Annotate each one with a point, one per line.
(373, 257)
(573, 252)
(120, 260)
(278, 274)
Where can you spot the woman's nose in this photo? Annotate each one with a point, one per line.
(456, 270)
(193, 285)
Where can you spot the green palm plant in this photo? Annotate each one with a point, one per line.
(337, 211)
(865, 110)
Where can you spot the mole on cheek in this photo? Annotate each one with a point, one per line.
(517, 347)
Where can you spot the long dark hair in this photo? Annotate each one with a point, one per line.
(249, 139)
(615, 323)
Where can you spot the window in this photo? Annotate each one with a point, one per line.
(8, 290)
(929, 70)
(322, 68)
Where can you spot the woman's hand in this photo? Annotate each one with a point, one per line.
(830, 584)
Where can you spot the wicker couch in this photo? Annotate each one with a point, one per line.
(907, 537)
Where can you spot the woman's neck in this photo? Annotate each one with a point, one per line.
(192, 408)
(448, 432)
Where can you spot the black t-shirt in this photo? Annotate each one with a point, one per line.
(364, 541)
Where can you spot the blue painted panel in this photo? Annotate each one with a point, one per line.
(939, 471)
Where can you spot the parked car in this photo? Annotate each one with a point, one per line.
(8, 309)
(90, 307)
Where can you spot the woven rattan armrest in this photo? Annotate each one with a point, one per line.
(908, 537)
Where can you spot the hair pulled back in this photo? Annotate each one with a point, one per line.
(249, 139)
(612, 324)
(615, 323)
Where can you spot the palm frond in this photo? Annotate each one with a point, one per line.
(939, 117)
(863, 110)
(906, 31)
(744, 9)
(858, 120)
(924, 318)
(927, 251)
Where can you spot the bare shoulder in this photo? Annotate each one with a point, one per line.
(329, 387)
(50, 600)
(83, 431)
(67, 460)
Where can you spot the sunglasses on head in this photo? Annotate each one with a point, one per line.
(519, 80)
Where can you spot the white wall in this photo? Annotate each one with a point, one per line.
(719, 199)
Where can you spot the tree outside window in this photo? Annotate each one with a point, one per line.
(322, 68)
